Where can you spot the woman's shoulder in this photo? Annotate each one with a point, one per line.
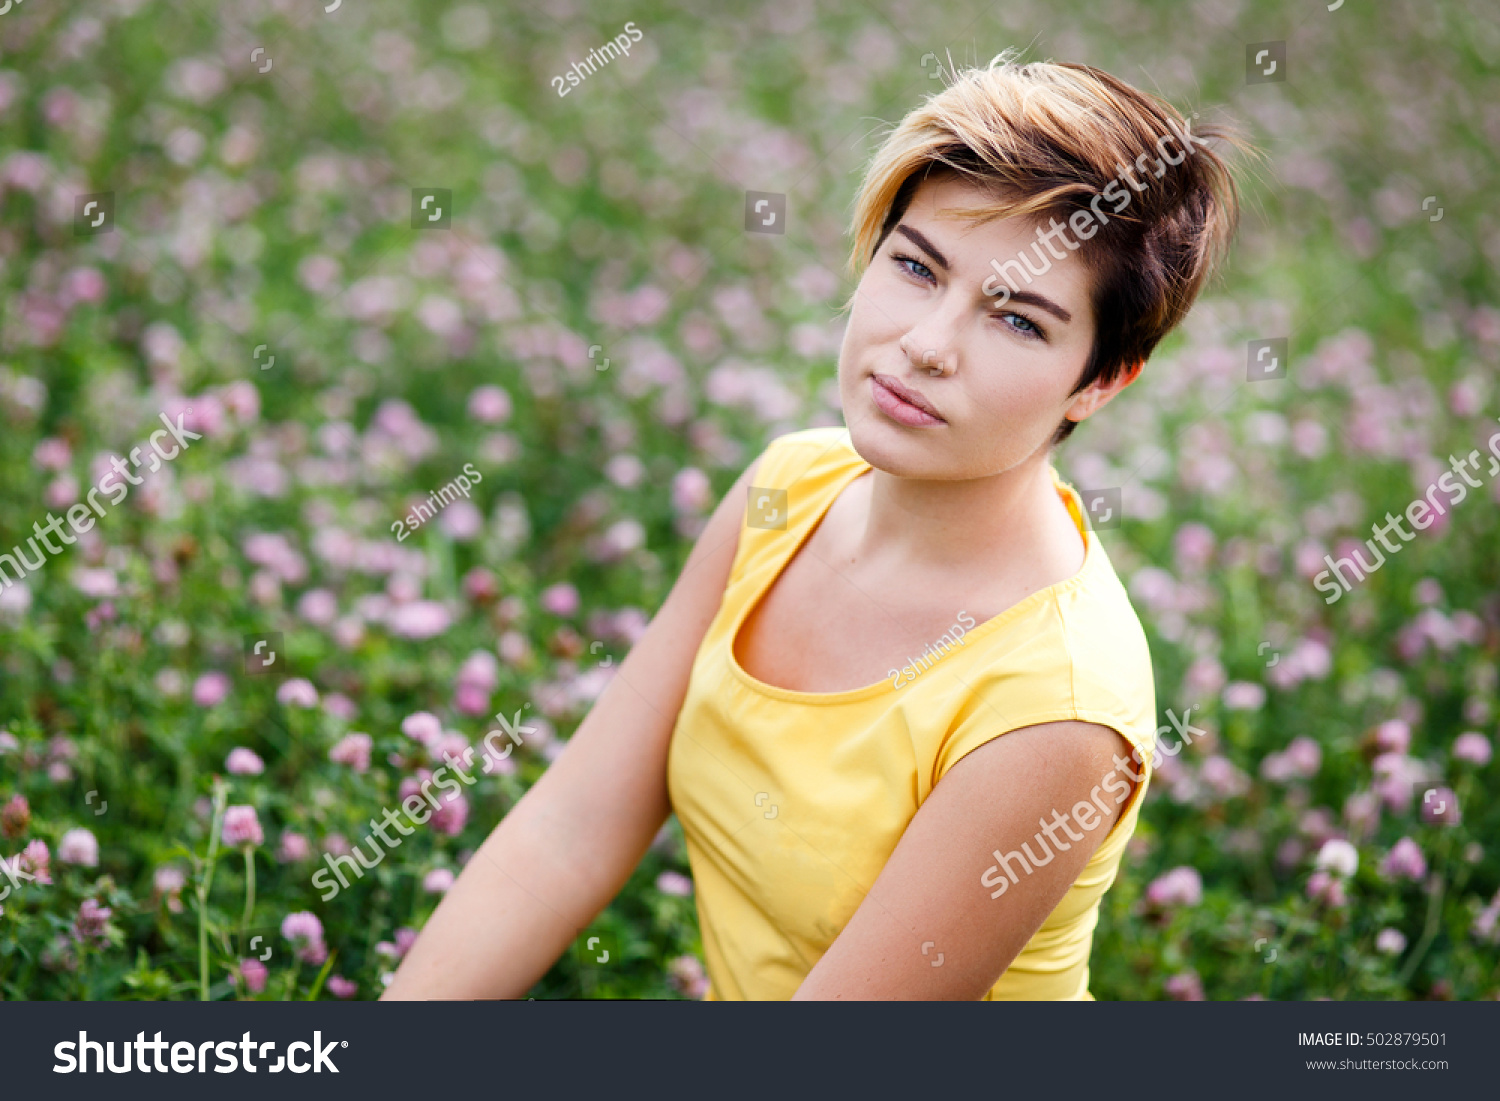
(1094, 604)
(1097, 616)
(824, 446)
(1107, 654)
(1078, 654)
(806, 460)
(788, 489)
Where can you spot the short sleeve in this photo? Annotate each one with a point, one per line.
(984, 724)
(1053, 675)
(980, 729)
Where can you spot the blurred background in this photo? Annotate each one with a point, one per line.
(362, 252)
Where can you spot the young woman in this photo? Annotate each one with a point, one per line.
(898, 697)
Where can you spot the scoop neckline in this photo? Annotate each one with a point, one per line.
(1071, 501)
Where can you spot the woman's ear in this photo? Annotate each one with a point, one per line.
(1088, 402)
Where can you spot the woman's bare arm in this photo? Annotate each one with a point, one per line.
(569, 845)
(931, 928)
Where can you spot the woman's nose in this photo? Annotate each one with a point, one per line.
(936, 362)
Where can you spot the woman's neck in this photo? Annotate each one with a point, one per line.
(977, 525)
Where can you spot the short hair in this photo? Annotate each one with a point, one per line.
(1046, 138)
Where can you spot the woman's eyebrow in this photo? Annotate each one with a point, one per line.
(920, 240)
(1041, 302)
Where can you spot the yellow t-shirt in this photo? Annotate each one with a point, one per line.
(792, 802)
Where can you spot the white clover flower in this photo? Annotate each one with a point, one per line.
(1338, 856)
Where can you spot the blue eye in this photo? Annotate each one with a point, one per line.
(904, 260)
(1022, 325)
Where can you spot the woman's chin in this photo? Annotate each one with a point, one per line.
(899, 451)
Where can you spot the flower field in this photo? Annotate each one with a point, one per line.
(361, 397)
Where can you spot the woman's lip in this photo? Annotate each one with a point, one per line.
(904, 405)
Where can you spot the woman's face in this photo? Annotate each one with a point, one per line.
(1007, 371)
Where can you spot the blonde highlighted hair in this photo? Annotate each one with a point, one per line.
(1046, 138)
